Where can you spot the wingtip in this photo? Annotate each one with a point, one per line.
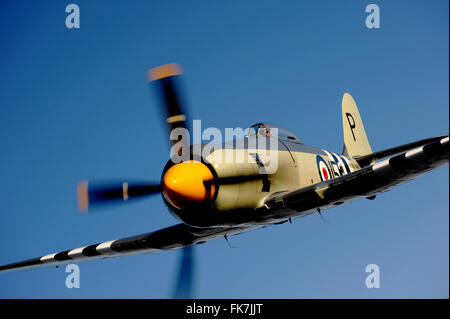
(164, 71)
(83, 197)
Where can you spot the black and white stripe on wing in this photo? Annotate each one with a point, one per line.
(415, 162)
(78, 254)
(172, 237)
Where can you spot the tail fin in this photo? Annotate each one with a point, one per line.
(355, 139)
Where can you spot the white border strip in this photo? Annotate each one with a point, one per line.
(48, 258)
(414, 152)
(105, 248)
(381, 166)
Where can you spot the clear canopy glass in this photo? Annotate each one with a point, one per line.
(266, 129)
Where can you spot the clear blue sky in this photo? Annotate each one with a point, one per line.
(74, 104)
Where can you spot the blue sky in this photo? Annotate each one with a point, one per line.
(75, 105)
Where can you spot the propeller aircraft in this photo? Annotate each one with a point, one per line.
(278, 180)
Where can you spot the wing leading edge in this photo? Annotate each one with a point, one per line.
(173, 237)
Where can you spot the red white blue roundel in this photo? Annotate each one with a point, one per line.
(324, 171)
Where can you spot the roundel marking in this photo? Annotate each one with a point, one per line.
(324, 170)
(324, 173)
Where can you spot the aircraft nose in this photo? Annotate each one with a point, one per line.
(183, 184)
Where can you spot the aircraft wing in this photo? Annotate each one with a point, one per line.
(173, 237)
(368, 181)
(367, 159)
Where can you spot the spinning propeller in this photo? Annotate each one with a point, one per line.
(183, 185)
(93, 195)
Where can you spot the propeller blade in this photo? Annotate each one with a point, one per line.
(184, 286)
(167, 81)
(90, 196)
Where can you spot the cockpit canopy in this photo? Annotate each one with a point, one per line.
(266, 129)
